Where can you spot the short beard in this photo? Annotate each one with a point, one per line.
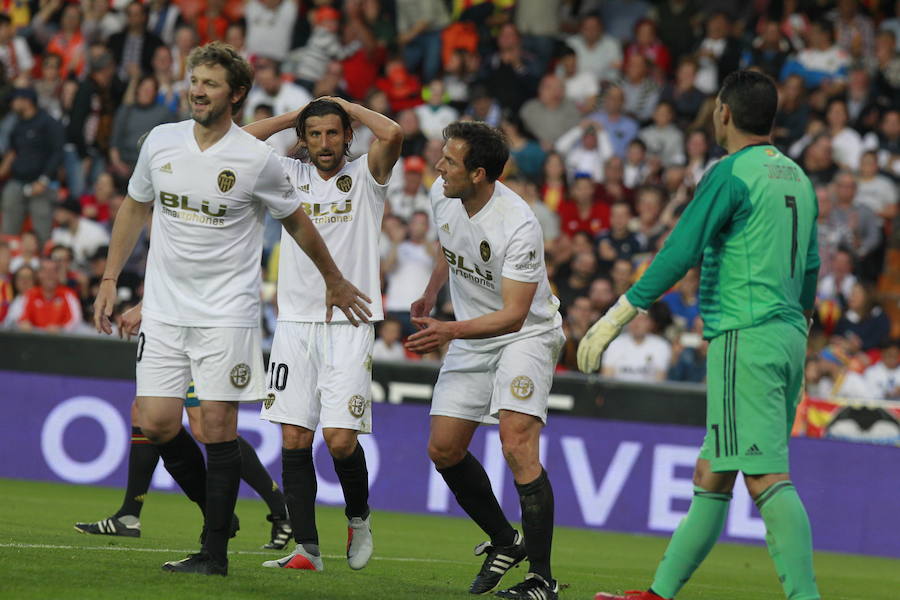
(211, 117)
(337, 163)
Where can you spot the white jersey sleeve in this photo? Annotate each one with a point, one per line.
(274, 189)
(523, 260)
(140, 186)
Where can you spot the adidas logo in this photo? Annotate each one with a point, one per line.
(166, 168)
(753, 451)
(304, 188)
(445, 228)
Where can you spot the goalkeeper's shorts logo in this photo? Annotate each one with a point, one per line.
(240, 375)
(522, 387)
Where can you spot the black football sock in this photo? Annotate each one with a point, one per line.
(354, 477)
(256, 475)
(184, 461)
(142, 459)
(536, 499)
(223, 477)
(298, 474)
(472, 488)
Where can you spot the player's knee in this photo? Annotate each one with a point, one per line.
(445, 455)
(159, 431)
(341, 447)
(295, 438)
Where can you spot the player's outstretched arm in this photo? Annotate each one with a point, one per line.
(517, 298)
(338, 291)
(129, 222)
(602, 333)
(385, 150)
(266, 128)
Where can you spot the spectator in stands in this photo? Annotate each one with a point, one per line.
(696, 149)
(212, 22)
(617, 242)
(828, 376)
(551, 114)
(601, 297)
(163, 16)
(861, 103)
(413, 139)
(768, 51)
(185, 41)
(676, 20)
(29, 253)
(637, 167)
(412, 197)
(419, 25)
(270, 25)
(70, 276)
(236, 37)
(133, 48)
(408, 263)
(525, 152)
(548, 219)
(817, 159)
(49, 87)
(888, 142)
(403, 88)
(846, 142)
(884, 376)
(663, 138)
(132, 122)
(586, 147)
(15, 55)
(576, 323)
(640, 88)
(683, 301)
(582, 87)
(719, 53)
(577, 281)
(511, 74)
(875, 191)
(100, 21)
(82, 235)
(90, 124)
(435, 114)
(860, 227)
(170, 90)
(388, 343)
(864, 319)
(855, 32)
(793, 113)
(270, 88)
(460, 74)
(483, 106)
(683, 93)
(582, 212)
(822, 63)
(620, 127)
(638, 355)
(96, 206)
(69, 42)
(622, 275)
(599, 54)
(22, 282)
(689, 355)
(885, 68)
(50, 306)
(310, 62)
(647, 227)
(30, 164)
(838, 283)
(647, 44)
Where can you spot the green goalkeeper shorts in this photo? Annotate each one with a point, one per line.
(754, 377)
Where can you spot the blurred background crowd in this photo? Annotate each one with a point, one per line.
(606, 106)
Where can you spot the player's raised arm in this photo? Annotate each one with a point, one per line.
(266, 128)
(338, 291)
(385, 149)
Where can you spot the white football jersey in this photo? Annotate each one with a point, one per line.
(503, 240)
(347, 210)
(203, 268)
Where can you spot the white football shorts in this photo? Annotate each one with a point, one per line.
(224, 362)
(320, 373)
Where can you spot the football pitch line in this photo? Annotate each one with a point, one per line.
(241, 552)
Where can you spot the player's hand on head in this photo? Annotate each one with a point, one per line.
(602, 333)
(352, 302)
(431, 336)
(103, 306)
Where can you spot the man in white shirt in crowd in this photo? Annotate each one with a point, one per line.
(408, 263)
(210, 183)
(270, 25)
(598, 53)
(282, 96)
(320, 371)
(411, 197)
(638, 355)
(883, 377)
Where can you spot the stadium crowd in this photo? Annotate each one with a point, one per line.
(606, 107)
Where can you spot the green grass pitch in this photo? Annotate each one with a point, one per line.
(416, 557)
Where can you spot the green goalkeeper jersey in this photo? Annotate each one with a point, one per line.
(753, 220)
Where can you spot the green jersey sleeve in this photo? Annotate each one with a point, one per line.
(717, 198)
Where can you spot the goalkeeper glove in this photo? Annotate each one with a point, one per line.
(604, 331)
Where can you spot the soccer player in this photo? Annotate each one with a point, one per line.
(320, 373)
(210, 182)
(753, 221)
(503, 349)
(143, 457)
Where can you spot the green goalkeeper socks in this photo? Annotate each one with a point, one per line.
(691, 542)
(789, 539)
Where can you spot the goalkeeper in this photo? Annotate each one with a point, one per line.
(753, 222)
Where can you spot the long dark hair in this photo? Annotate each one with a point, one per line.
(320, 108)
